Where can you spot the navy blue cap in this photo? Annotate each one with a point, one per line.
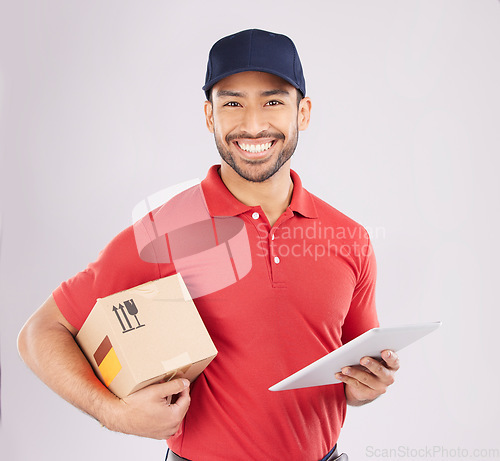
(256, 50)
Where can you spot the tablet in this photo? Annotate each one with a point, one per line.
(370, 343)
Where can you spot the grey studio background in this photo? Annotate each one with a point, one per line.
(101, 106)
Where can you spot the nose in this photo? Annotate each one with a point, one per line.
(254, 121)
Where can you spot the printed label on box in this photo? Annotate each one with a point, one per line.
(107, 361)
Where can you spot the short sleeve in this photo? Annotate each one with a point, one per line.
(117, 268)
(362, 314)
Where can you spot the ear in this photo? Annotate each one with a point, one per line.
(304, 113)
(209, 116)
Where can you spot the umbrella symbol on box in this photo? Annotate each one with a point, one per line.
(132, 310)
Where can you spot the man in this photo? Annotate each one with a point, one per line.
(310, 288)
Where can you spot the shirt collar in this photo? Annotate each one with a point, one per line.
(220, 202)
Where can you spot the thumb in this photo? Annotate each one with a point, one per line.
(175, 386)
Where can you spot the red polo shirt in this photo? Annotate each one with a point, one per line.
(273, 299)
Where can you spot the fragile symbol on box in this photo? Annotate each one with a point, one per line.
(132, 311)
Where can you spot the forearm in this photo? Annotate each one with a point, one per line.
(54, 356)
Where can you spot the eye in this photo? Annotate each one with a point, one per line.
(273, 103)
(232, 104)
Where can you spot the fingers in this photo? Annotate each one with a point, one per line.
(376, 371)
(357, 391)
(182, 403)
(149, 412)
(180, 389)
(391, 359)
(373, 373)
(357, 377)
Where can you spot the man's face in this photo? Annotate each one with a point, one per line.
(255, 121)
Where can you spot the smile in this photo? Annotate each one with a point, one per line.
(255, 148)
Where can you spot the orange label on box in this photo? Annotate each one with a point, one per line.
(107, 361)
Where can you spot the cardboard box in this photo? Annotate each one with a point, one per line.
(146, 334)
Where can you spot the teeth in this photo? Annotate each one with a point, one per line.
(255, 148)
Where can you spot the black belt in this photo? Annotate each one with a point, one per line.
(171, 456)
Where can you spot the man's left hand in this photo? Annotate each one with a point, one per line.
(366, 382)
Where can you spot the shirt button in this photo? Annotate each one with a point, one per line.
(255, 215)
(272, 237)
(276, 260)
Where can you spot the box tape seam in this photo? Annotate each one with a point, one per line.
(177, 362)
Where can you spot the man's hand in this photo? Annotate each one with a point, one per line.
(148, 413)
(366, 382)
(47, 345)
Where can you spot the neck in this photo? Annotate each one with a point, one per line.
(272, 195)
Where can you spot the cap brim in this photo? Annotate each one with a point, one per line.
(212, 82)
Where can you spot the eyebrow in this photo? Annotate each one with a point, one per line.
(240, 94)
(234, 94)
(275, 92)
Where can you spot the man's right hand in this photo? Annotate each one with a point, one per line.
(147, 412)
(47, 345)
